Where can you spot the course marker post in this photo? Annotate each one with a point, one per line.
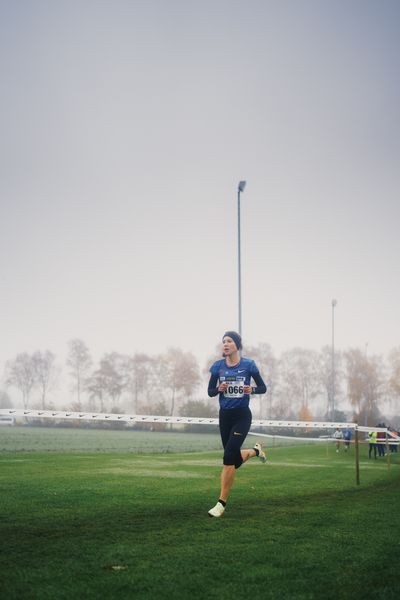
(387, 451)
(357, 454)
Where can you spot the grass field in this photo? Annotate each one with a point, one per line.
(92, 520)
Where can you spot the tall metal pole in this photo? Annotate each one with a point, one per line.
(242, 185)
(239, 270)
(334, 302)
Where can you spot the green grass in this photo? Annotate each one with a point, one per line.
(112, 524)
(46, 439)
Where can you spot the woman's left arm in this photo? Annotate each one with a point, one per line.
(260, 387)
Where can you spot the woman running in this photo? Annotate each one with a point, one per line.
(231, 378)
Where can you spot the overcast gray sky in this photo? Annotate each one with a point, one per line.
(125, 129)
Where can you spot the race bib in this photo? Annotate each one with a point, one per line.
(235, 387)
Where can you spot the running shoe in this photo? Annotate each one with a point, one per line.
(217, 511)
(261, 454)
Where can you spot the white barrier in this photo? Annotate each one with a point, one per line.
(97, 416)
(176, 420)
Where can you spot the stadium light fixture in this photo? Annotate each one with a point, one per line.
(241, 186)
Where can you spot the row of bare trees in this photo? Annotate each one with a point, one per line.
(144, 379)
(303, 379)
(301, 383)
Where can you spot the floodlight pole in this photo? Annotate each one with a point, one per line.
(241, 186)
(334, 303)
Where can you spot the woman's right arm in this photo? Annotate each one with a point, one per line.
(213, 386)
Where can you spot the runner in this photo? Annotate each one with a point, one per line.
(231, 378)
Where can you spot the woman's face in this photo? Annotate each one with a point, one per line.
(228, 346)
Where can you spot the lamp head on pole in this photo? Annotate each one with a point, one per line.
(334, 302)
(242, 185)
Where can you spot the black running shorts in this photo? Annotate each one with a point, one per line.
(234, 425)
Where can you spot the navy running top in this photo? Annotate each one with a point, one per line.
(236, 377)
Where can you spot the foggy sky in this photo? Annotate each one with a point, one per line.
(125, 129)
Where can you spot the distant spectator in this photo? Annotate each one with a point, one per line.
(372, 443)
(347, 438)
(381, 440)
(338, 435)
(393, 443)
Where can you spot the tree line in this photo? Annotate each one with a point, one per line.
(302, 383)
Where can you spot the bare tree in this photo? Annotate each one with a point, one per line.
(300, 377)
(97, 388)
(365, 383)
(375, 384)
(157, 408)
(331, 382)
(394, 377)
(46, 373)
(211, 360)
(197, 408)
(80, 362)
(268, 366)
(5, 400)
(137, 373)
(21, 375)
(180, 373)
(355, 361)
(108, 380)
(112, 368)
(283, 407)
